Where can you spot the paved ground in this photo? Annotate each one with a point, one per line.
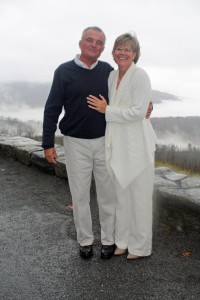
(39, 255)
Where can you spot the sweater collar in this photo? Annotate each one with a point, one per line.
(82, 64)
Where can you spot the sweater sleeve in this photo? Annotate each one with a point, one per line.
(141, 96)
(52, 111)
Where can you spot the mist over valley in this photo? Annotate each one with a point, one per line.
(22, 105)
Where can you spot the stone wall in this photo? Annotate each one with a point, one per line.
(176, 196)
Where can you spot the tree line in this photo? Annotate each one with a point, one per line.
(186, 159)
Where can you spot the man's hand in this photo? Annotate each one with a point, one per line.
(149, 110)
(50, 155)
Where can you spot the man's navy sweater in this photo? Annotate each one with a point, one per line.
(71, 85)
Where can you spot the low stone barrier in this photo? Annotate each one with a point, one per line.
(176, 196)
(30, 152)
(177, 200)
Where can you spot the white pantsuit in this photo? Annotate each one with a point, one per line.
(130, 146)
(84, 157)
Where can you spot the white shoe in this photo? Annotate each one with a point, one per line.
(132, 256)
(119, 251)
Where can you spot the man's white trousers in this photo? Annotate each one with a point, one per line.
(84, 157)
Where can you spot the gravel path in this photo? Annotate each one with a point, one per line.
(39, 254)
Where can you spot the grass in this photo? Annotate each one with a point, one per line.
(177, 169)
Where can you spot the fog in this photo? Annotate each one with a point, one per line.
(36, 36)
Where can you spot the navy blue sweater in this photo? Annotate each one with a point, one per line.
(71, 85)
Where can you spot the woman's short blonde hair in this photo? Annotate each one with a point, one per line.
(129, 40)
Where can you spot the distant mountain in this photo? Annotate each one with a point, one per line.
(34, 94)
(159, 97)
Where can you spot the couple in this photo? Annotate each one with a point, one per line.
(124, 178)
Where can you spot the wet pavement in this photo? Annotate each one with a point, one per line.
(39, 256)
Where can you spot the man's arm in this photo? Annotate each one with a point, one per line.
(53, 109)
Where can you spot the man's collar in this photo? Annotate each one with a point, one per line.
(82, 64)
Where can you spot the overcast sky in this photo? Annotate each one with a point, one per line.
(38, 35)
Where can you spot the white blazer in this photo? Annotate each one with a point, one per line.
(129, 139)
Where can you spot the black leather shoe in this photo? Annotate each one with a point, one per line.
(107, 251)
(86, 251)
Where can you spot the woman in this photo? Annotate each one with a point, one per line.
(130, 145)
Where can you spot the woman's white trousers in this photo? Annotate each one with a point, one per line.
(133, 229)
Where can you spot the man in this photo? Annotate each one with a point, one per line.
(83, 131)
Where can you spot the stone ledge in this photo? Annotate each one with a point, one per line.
(30, 152)
(176, 196)
(177, 200)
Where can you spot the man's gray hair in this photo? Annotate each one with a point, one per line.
(93, 28)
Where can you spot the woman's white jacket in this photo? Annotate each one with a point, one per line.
(129, 139)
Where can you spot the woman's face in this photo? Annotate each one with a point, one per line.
(124, 55)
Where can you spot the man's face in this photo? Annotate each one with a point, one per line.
(92, 45)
